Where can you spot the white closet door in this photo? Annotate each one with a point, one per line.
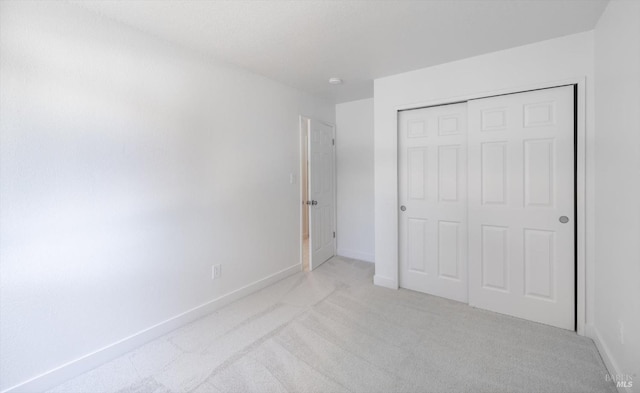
(433, 227)
(521, 205)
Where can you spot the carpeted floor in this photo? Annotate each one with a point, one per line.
(332, 330)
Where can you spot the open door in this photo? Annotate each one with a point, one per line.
(322, 241)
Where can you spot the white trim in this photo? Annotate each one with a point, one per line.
(94, 359)
(356, 255)
(385, 282)
(581, 207)
(581, 179)
(334, 157)
(605, 354)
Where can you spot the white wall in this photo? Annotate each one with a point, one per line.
(617, 153)
(128, 167)
(354, 157)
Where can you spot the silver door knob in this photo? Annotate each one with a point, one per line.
(403, 208)
(314, 203)
(564, 219)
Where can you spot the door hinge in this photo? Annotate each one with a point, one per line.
(333, 142)
(334, 234)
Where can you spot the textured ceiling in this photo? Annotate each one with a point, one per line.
(303, 43)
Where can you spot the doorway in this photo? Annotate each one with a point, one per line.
(487, 194)
(304, 190)
(317, 192)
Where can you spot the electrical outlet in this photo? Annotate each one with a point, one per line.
(216, 271)
(621, 331)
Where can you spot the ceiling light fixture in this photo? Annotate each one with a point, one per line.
(335, 81)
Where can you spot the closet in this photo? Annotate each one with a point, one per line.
(487, 203)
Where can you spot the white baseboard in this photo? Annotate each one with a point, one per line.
(605, 353)
(385, 282)
(355, 255)
(94, 359)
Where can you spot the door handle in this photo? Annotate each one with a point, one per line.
(314, 203)
(403, 208)
(564, 219)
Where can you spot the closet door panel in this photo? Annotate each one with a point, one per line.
(432, 190)
(521, 222)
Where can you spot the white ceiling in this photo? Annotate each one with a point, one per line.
(303, 43)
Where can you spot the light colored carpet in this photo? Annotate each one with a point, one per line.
(332, 330)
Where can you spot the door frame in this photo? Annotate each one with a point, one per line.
(580, 116)
(304, 146)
